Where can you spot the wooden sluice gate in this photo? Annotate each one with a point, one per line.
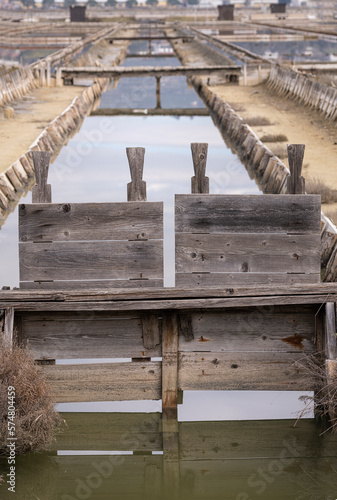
(247, 310)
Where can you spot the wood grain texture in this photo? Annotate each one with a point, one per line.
(274, 329)
(199, 183)
(110, 431)
(41, 193)
(211, 280)
(290, 214)
(330, 341)
(91, 285)
(8, 333)
(295, 182)
(88, 260)
(86, 335)
(256, 253)
(241, 371)
(136, 189)
(91, 221)
(170, 360)
(104, 382)
(151, 331)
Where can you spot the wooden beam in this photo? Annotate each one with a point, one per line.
(9, 328)
(296, 183)
(150, 112)
(41, 193)
(151, 332)
(170, 361)
(199, 182)
(330, 330)
(137, 187)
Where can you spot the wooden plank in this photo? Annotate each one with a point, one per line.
(41, 193)
(150, 331)
(256, 253)
(261, 371)
(104, 382)
(99, 335)
(185, 327)
(169, 360)
(91, 221)
(199, 183)
(110, 431)
(8, 333)
(91, 260)
(292, 214)
(330, 341)
(295, 182)
(193, 280)
(253, 330)
(91, 285)
(137, 187)
(235, 440)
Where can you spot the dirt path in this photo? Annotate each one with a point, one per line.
(32, 115)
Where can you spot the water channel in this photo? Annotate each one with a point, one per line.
(232, 445)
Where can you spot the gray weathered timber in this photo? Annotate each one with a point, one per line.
(88, 260)
(248, 214)
(151, 332)
(242, 371)
(265, 329)
(8, 335)
(137, 187)
(86, 335)
(104, 382)
(170, 360)
(110, 431)
(91, 221)
(185, 327)
(91, 284)
(184, 280)
(137, 71)
(41, 193)
(199, 182)
(295, 182)
(330, 342)
(256, 253)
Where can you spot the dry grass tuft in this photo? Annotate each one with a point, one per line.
(35, 419)
(317, 186)
(255, 121)
(274, 138)
(280, 151)
(325, 399)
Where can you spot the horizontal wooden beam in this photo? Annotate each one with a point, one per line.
(137, 71)
(150, 112)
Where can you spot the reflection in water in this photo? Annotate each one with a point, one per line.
(186, 460)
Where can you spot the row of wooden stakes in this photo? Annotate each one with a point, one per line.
(315, 95)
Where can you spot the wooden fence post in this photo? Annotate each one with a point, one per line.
(137, 187)
(296, 183)
(170, 363)
(199, 182)
(41, 193)
(9, 328)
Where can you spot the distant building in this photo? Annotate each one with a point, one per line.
(77, 13)
(278, 8)
(226, 12)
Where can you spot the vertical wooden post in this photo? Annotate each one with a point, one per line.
(48, 70)
(151, 333)
(9, 328)
(41, 193)
(158, 102)
(199, 182)
(244, 74)
(170, 363)
(42, 76)
(137, 187)
(296, 183)
(330, 331)
(59, 81)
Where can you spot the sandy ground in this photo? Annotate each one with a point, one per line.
(299, 124)
(32, 115)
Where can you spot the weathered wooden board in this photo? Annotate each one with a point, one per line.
(104, 382)
(241, 371)
(193, 280)
(170, 360)
(92, 284)
(86, 335)
(110, 431)
(291, 214)
(249, 330)
(256, 253)
(248, 439)
(90, 260)
(91, 221)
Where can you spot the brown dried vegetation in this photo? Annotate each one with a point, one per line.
(35, 420)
